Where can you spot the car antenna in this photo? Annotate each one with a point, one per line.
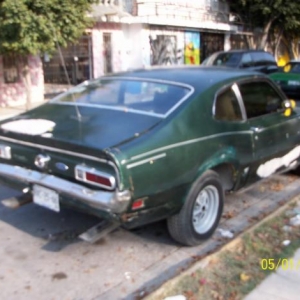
(79, 116)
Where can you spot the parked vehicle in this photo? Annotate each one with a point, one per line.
(289, 79)
(146, 145)
(254, 60)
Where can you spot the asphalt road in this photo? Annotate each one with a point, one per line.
(42, 258)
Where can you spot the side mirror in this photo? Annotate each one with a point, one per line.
(288, 106)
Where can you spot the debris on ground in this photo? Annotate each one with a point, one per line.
(179, 297)
(127, 275)
(287, 228)
(226, 233)
(295, 221)
(286, 242)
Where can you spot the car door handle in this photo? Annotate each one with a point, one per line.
(257, 129)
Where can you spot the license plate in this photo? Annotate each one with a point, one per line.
(46, 197)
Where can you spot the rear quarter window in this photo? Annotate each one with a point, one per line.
(226, 107)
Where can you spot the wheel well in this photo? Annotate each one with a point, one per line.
(226, 173)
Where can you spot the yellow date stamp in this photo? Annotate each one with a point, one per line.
(272, 264)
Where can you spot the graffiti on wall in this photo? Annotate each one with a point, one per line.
(164, 50)
(192, 48)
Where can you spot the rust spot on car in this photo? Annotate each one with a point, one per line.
(128, 217)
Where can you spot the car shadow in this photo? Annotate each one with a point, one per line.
(62, 229)
(58, 230)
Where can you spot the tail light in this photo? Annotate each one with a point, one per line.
(5, 152)
(95, 177)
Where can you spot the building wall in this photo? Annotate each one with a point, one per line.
(103, 55)
(13, 94)
(130, 47)
(136, 46)
(167, 46)
(160, 33)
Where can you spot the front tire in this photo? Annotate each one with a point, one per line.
(201, 212)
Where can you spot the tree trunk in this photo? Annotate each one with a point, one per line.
(264, 38)
(295, 47)
(26, 79)
(277, 43)
(249, 41)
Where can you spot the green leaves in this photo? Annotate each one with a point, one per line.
(270, 15)
(34, 26)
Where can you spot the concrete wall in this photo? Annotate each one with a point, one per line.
(14, 94)
(130, 47)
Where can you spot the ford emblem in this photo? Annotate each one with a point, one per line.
(61, 166)
(41, 160)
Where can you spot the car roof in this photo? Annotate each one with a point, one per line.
(199, 77)
(241, 51)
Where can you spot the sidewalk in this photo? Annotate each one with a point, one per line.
(284, 284)
(8, 112)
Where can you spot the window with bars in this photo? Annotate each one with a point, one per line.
(10, 69)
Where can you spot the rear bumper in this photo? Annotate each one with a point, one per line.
(111, 202)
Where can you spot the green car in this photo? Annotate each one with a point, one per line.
(289, 79)
(146, 145)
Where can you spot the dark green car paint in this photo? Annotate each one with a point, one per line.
(157, 159)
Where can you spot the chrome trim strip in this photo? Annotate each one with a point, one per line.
(39, 146)
(85, 169)
(239, 97)
(146, 161)
(189, 142)
(112, 202)
(275, 125)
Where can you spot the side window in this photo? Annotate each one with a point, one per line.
(227, 107)
(260, 98)
(246, 60)
(258, 58)
(270, 60)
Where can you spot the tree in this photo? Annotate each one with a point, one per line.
(31, 27)
(276, 15)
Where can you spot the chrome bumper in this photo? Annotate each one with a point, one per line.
(112, 202)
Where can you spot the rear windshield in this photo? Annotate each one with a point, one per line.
(227, 59)
(130, 95)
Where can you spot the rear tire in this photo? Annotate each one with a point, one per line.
(201, 212)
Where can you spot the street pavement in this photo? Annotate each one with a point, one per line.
(42, 258)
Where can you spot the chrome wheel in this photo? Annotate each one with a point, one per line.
(200, 215)
(205, 209)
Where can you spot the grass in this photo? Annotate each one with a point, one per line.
(234, 272)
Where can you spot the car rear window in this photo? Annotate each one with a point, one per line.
(135, 95)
